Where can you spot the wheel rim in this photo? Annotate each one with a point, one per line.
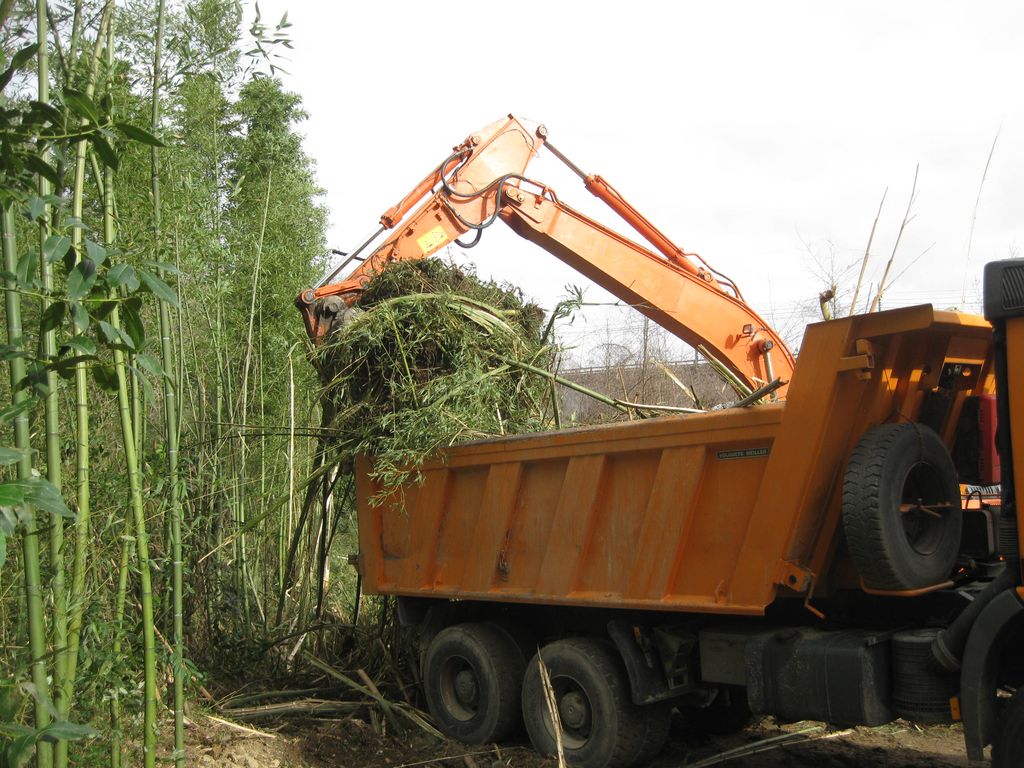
(460, 688)
(574, 711)
(923, 507)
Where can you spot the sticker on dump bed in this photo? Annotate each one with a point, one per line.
(743, 453)
(433, 240)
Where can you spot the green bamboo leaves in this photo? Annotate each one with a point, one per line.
(79, 329)
(430, 362)
(93, 297)
(93, 287)
(27, 135)
(22, 740)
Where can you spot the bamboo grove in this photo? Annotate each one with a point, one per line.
(158, 218)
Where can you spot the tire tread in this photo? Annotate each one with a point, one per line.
(634, 733)
(866, 506)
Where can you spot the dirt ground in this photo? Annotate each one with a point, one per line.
(354, 743)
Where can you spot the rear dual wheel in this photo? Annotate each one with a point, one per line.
(473, 676)
(601, 727)
(479, 690)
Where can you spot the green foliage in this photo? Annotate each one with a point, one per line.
(22, 739)
(30, 133)
(228, 152)
(17, 741)
(429, 362)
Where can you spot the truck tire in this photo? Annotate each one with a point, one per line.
(921, 688)
(601, 726)
(1008, 746)
(473, 677)
(901, 507)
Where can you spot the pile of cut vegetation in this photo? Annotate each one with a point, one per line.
(434, 356)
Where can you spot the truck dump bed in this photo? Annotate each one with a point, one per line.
(709, 513)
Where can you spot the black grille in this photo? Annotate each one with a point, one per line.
(1013, 287)
(1004, 289)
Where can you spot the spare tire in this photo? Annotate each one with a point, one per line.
(901, 507)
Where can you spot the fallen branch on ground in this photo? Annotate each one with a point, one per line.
(767, 745)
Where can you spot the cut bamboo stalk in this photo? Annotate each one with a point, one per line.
(551, 703)
(719, 367)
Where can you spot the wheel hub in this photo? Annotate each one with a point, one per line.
(465, 687)
(573, 710)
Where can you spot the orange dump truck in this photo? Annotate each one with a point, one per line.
(806, 559)
(813, 558)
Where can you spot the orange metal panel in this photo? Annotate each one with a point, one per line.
(1015, 370)
(533, 528)
(570, 525)
(448, 548)
(669, 509)
(697, 513)
(492, 525)
(613, 538)
(710, 551)
(587, 516)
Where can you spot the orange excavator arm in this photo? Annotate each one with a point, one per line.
(483, 182)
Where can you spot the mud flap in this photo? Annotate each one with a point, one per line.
(643, 657)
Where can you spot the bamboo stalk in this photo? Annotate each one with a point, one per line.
(82, 540)
(289, 515)
(690, 392)
(142, 555)
(662, 408)
(307, 708)
(51, 407)
(389, 707)
(228, 705)
(128, 440)
(243, 566)
(610, 401)
(119, 607)
(109, 237)
(30, 538)
(764, 745)
(170, 384)
(731, 378)
(551, 702)
(757, 394)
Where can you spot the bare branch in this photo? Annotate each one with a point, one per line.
(907, 218)
(867, 253)
(974, 214)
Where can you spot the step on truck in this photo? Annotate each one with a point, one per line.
(849, 553)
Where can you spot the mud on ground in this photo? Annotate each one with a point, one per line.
(354, 743)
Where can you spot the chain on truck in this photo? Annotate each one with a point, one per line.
(836, 554)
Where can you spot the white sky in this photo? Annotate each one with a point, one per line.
(744, 130)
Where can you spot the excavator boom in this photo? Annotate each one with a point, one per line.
(483, 181)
